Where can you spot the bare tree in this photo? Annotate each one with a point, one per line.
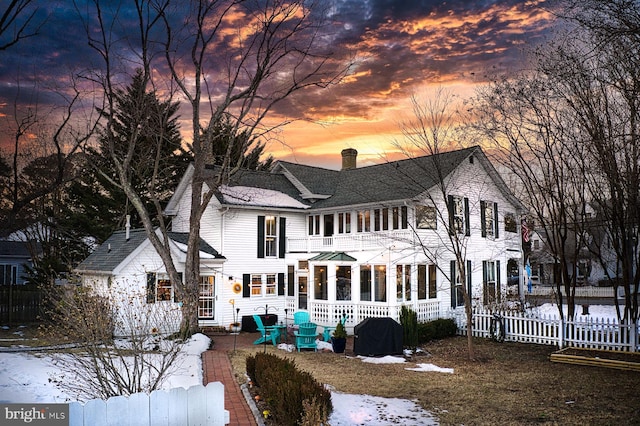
(594, 71)
(223, 57)
(521, 120)
(17, 22)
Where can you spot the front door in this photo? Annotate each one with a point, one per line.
(207, 299)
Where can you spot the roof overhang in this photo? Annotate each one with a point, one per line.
(333, 256)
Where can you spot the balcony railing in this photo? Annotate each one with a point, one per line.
(351, 242)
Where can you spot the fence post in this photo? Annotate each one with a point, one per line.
(561, 334)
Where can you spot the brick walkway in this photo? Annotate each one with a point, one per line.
(216, 367)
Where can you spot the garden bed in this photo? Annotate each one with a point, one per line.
(598, 358)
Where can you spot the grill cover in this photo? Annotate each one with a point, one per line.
(378, 336)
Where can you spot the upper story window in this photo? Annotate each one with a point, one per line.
(314, 224)
(364, 221)
(510, 223)
(459, 215)
(344, 223)
(426, 217)
(270, 237)
(489, 219)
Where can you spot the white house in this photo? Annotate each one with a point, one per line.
(360, 241)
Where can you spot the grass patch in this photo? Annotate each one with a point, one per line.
(507, 384)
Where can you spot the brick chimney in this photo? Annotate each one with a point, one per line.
(349, 156)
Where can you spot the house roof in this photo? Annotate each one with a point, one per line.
(17, 249)
(299, 186)
(117, 248)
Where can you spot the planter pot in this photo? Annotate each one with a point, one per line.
(235, 328)
(338, 345)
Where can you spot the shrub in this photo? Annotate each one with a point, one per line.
(289, 392)
(409, 322)
(436, 329)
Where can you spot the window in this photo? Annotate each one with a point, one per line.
(491, 281)
(343, 283)
(403, 282)
(344, 223)
(160, 288)
(510, 223)
(457, 289)
(320, 283)
(256, 285)
(385, 219)
(8, 274)
(314, 225)
(422, 282)
(489, 219)
(458, 215)
(365, 283)
(426, 217)
(380, 283)
(395, 220)
(270, 237)
(164, 289)
(364, 221)
(433, 290)
(271, 285)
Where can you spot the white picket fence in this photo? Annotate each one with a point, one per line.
(594, 333)
(198, 405)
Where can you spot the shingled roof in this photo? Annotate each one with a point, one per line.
(115, 250)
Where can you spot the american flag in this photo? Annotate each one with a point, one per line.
(526, 232)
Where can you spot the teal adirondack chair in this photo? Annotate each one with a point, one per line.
(326, 334)
(300, 317)
(267, 333)
(306, 336)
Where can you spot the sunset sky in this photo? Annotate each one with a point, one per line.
(403, 47)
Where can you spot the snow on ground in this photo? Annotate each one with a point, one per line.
(595, 311)
(24, 377)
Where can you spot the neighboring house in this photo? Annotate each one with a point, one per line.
(596, 258)
(348, 241)
(14, 256)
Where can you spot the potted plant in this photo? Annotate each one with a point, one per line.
(339, 339)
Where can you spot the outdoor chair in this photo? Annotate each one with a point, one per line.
(267, 333)
(328, 330)
(306, 336)
(300, 317)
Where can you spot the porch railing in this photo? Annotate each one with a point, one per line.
(350, 242)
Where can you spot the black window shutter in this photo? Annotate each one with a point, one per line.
(260, 237)
(467, 228)
(404, 217)
(485, 296)
(495, 220)
(453, 284)
(282, 242)
(452, 229)
(246, 285)
(175, 293)
(483, 216)
(281, 284)
(498, 285)
(469, 279)
(151, 287)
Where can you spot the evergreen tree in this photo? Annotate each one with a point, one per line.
(99, 206)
